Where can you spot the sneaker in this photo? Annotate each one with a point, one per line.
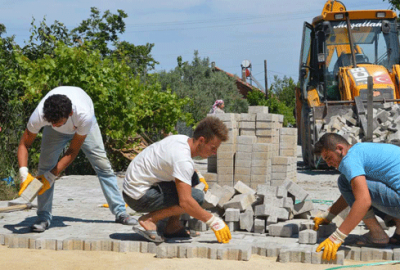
(40, 226)
(126, 219)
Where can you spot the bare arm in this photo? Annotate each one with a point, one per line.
(70, 154)
(24, 144)
(338, 206)
(188, 203)
(360, 206)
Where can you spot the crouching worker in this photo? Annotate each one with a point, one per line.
(159, 182)
(66, 115)
(369, 184)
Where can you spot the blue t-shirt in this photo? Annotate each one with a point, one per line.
(377, 161)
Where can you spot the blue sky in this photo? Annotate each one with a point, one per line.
(226, 31)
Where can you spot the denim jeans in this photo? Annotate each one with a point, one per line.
(385, 201)
(53, 142)
(160, 196)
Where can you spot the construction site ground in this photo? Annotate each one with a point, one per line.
(79, 218)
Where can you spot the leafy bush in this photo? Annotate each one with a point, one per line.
(281, 99)
(197, 81)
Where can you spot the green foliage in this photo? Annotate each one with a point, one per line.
(284, 89)
(8, 192)
(13, 115)
(43, 38)
(125, 104)
(197, 81)
(138, 58)
(101, 31)
(394, 4)
(281, 99)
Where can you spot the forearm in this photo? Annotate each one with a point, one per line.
(24, 144)
(338, 206)
(192, 208)
(22, 155)
(65, 161)
(357, 212)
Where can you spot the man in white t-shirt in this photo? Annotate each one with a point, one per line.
(158, 181)
(66, 114)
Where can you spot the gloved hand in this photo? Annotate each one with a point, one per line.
(48, 180)
(323, 219)
(203, 180)
(25, 179)
(220, 229)
(331, 245)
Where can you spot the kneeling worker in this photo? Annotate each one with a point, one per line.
(369, 184)
(159, 181)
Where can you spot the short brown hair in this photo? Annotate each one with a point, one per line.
(328, 142)
(210, 127)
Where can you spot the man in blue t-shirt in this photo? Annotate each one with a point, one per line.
(369, 183)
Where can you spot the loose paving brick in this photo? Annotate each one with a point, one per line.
(117, 238)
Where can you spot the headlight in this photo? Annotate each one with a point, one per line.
(381, 14)
(339, 16)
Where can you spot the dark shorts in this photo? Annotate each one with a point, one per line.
(160, 196)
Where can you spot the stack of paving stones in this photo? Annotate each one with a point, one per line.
(227, 150)
(243, 158)
(283, 168)
(386, 123)
(256, 140)
(261, 165)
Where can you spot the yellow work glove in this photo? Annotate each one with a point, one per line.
(331, 245)
(203, 180)
(323, 219)
(48, 180)
(26, 178)
(220, 229)
(107, 206)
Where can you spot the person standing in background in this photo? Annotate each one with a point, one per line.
(217, 107)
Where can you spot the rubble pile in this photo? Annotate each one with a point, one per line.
(386, 123)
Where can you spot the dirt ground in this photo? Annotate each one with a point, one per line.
(10, 259)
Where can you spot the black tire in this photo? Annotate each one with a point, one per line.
(307, 137)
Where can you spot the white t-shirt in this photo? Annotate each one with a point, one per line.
(162, 161)
(82, 118)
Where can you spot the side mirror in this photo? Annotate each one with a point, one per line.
(385, 27)
(303, 72)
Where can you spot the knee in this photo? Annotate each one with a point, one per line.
(198, 195)
(103, 165)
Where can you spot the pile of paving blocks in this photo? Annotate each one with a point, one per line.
(259, 150)
(386, 123)
(268, 209)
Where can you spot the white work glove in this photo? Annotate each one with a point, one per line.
(203, 180)
(220, 229)
(25, 179)
(323, 218)
(331, 245)
(23, 174)
(48, 180)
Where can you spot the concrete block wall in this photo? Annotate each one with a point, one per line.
(259, 150)
(243, 159)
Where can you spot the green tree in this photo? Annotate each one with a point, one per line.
(284, 90)
(197, 81)
(281, 99)
(100, 30)
(395, 4)
(102, 33)
(124, 105)
(43, 38)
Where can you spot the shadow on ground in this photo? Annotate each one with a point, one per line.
(23, 227)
